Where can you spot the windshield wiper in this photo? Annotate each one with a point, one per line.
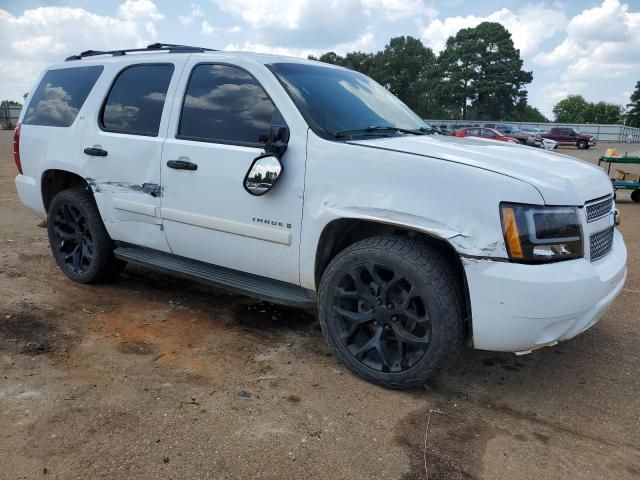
(381, 128)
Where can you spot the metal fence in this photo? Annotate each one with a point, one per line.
(9, 117)
(602, 133)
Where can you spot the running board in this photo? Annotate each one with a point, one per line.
(264, 288)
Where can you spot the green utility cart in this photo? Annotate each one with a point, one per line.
(623, 184)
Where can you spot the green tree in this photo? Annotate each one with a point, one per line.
(633, 112)
(481, 73)
(359, 61)
(573, 109)
(9, 103)
(332, 57)
(527, 113)
(406, 67)
(603, 112)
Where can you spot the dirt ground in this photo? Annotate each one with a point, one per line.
(157, 377)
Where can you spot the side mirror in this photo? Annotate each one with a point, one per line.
(277, 140)
(263, 174)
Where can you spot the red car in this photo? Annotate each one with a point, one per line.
(484, 132)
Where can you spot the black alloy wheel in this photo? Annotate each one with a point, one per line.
(72, 239)
(392, 309)
(79, 241)
(381, 317)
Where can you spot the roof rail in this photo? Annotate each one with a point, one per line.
(154, 47)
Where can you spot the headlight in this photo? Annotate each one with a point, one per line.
(536, 234)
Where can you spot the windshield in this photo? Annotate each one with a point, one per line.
(337, 100)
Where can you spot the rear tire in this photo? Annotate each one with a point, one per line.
(635, 195)
(391, 309)
(79, 241)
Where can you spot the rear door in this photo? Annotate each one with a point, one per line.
(123, 145)
(222, 117)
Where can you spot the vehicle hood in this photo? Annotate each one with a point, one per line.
(560, 179)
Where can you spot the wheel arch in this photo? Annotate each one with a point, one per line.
(54, 181)
(342, 232)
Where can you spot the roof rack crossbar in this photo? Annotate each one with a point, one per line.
(154, 47)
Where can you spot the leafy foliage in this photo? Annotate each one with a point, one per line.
(479, 73)
(633, 112)
(527, 113)
(9, 103)
(575, 109)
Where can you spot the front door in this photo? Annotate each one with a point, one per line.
(123, 147)
(219, 127)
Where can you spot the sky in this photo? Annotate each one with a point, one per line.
(582, 47)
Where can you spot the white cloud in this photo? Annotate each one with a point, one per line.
(320, 24)
(196, 12)
(601, 49)
(35, 45)
(363, 43)
(395, 10)
(139, 9)
(207, 29)
(589, 24)
(46, 35)
(529, 26)
(259, 14)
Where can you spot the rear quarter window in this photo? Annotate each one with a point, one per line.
(60, 96)
(136, 100)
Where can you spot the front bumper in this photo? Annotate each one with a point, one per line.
(518, 307)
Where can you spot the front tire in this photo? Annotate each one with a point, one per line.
(635, 195)
(582, 145)
(79, 241)
(391, 309)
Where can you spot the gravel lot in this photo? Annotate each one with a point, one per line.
(157, 377)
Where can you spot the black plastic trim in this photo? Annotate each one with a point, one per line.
(268, 289)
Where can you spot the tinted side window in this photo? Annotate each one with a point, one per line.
(225, 104)
(134, 104)
(60, 96)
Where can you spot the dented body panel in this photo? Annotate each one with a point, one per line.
(408, 191)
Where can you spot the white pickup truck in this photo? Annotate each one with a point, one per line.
(308, 184)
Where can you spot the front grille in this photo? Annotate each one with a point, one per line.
(601, 243)
(599, 210)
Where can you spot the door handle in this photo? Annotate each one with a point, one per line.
(182, 165)
(95, 152)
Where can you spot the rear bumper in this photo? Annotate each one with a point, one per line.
(519, 307)
(30, 195)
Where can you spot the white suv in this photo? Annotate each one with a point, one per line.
(304, 183)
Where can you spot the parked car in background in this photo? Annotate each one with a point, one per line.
(549, 144)
(570, 136)
(445, 130)
(525, 138)
(442, 130)
(483, 132)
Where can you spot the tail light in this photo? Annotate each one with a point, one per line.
(16, 148)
